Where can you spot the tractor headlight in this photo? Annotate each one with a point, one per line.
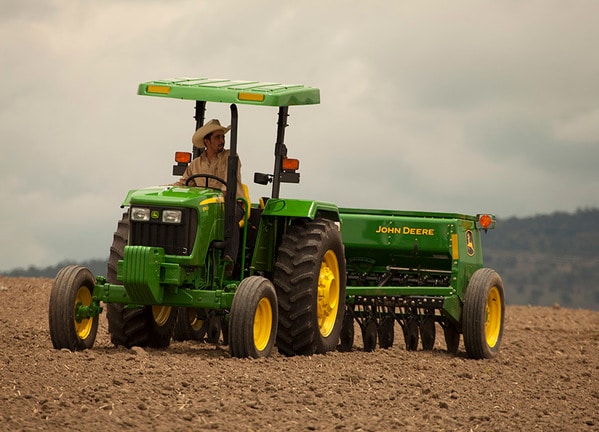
(171, 216)
(140, 214)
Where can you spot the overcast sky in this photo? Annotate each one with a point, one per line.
(461, 106)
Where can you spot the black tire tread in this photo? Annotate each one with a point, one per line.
(474, 310)
(241, 322)
(61, 313)
(296, 280)
(183, 329)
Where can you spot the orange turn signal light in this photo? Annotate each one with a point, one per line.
(290, 164)
(160, 89)
(254, 97)
(485, 221)
(182, 157)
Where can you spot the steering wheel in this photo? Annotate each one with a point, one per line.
(206, 176)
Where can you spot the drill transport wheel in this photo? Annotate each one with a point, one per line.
(483, 314)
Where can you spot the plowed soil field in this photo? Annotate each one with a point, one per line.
(545, 378)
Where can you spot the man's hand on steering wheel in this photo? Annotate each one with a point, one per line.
(207, 177)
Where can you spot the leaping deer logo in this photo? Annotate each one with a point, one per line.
(469, 243)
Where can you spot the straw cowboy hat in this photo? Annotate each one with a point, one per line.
(213, 125)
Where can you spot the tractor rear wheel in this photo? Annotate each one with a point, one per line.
(310, 280)
(214, 330)
(253, 318)
(483, 314)
(71, 293)
(150, 326)
(147, 326)
(191, 324)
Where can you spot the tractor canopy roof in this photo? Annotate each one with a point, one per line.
(228, 91)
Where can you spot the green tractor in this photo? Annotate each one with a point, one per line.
(306, 272)
(166, 271)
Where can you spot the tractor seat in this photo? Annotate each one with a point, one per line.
(247, 204)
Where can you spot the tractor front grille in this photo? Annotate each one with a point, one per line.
(175, 239)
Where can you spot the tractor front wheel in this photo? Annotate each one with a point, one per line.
(483, 314)
(73, 323)
(253, 319)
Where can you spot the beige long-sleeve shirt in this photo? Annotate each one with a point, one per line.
(217, 167)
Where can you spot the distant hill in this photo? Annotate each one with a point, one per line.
(97, 267)
(547, 259)
(543, 260)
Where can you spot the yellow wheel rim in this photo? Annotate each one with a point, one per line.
(84, 298)
(262, 323)
(161, 314)
(194, 322)
(493, 317)
(328, 293)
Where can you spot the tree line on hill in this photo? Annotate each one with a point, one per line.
(543, 260)
(548, 259)
(97, 267)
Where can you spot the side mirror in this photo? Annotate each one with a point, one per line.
(262, 179)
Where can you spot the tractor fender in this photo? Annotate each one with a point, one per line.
(277, 214)
(294, 208)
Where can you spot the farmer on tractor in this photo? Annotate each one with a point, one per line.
(309, 270)
(214, 161)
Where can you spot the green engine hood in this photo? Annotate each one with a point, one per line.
(176, 196)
